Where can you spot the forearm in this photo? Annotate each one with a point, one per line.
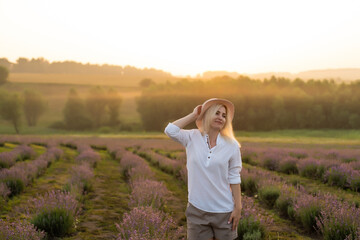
(236, 191)
(182, 122)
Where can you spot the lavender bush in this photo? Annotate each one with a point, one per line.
(81, 176)
(147, 193)
(249, 155)
(268, 195)
(308, 209)
(133, 167)
(249, 182)
(89, 156)
(4, 190)
(165, 164)
(19, 230)
(298, 153)
(147, 223)
(339, 175)
(270, 160)
(288, 166)
(252, 223)
(285, 203)
(20, 153)
(309, 168)
(183, 174)
(7, 159)
(339, 220)
(55, 212)
(24, 152)
(23, 173)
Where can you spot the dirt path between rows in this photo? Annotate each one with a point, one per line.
(106, 204)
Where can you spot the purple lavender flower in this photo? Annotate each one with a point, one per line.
(88, 155)
(4, 190)
(19, 230)
(81, 176)
(340, 175)
(338, 220)
(134, 167)
(147, 223)
(7, 159)
(166, 164)
(54, 199)
(308, 167)
(143, 193)
(271, 159)
(298, 153)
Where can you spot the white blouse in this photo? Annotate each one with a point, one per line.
(210, 171)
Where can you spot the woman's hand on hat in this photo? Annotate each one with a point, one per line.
(197, 111)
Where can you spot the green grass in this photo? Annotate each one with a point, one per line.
(105, 205)
(335, 137)
(7, 147)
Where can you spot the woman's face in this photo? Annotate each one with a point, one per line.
(218, 121)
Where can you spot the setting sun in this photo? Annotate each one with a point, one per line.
(186, 37)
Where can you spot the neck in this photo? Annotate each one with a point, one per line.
(213, 135)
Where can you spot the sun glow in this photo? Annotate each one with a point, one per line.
(186, 37)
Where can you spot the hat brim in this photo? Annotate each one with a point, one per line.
(208, 103)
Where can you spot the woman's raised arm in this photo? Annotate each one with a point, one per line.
(182, 122)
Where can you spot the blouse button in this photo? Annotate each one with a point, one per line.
(208, 157)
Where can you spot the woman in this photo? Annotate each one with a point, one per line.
(214, 165)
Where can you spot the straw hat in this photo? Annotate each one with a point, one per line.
(208, 103)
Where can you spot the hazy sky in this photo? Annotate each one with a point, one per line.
(186, 37)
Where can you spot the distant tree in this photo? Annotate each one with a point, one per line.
(5, 63)
(4, 73)
(10, 110)
(34, 107)
(146, 82)
(75, 116)
(96, 105)
(113, 103)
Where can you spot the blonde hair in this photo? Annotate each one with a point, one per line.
(227, 131)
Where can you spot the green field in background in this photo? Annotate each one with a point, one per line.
(341, 137)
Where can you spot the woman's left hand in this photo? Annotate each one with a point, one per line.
(235, 217)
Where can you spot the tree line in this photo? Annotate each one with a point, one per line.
(13, 106)
(41, 65)
(100, 108)
(275, 103)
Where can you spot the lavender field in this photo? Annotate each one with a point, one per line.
(109, 188)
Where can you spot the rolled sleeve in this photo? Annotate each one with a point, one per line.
(180, 135)
(235, 166)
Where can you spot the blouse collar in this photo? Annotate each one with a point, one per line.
(219, 139)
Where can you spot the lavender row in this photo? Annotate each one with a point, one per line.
(165, 164)
(252, 224)
(57, 212)
(17, 230)
(47, 216)
(317, 213)
(145, 220)
(333, 168)
(19, 153)
(87, 154)
(23, 173)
